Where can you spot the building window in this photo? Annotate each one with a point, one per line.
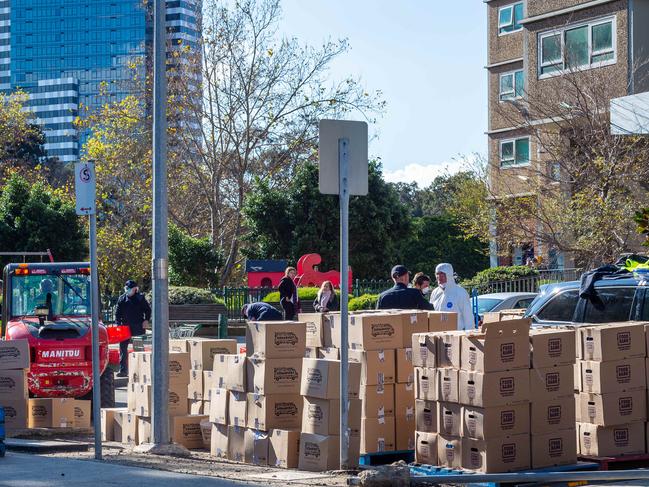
(512, 85)
(577, 47)
(509, 18)
(515, 152)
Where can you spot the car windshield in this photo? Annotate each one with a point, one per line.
(69, 294)
(487, 304)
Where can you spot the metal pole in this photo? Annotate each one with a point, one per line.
(94, 309)
(343, 169)
(160, 420)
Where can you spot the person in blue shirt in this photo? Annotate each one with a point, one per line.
(401, 296)
(261, 312)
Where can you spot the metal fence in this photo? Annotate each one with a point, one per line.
(370, 286)
(236, 297)
(529, 284)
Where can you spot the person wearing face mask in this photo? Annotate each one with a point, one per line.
(401, 296)
(132, 310)
(422, 282)
(450, 296)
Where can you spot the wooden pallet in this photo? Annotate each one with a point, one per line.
(622, 462)
(386, 457)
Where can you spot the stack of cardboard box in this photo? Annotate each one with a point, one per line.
(14, 364)
(612, 404)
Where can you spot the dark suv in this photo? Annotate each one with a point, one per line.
(621, 299)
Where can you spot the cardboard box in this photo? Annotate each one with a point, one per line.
(319, 453)
(501, 346)
(494, 388)
(449, 451)
(143, 430)
(195, 406)
(426, 383)
(405, 369)
(179, 366)
(206, 407)
(218, 411)
(404, 399)
(177, 400)
(613, 408)
(487, 423)
(187, 431)
(50, 413)
(322, 416)
(257, 446)
(14, 354)
(178, 345)
(133, 367)
(125, 427)
(329, 353)
(318, 330)
(611, 441)
(613, 376)
(404, 431)
(412, 321)
(377, 435)
(613, 341)
(449, 348)
(206, 432)
(577, 410)
(219, 441)
(311, 352)
(552, 346)
(283, 448)
(552, 415)
(496, 455)
(15, 414)
(426, 416)
(107, 416)
(505, 314)
(82, 413)
(236, 443)
(209, 383)
(557, 447)
(237, 408)
(202, 351)
(447, 385)
(449, 418)
(283, 411)
(378, 401)
(377, 366)
(442, 321)
(321, 378)
(275, 339)
(424, 350)
(274, 376)
(373, 331)
(13, 385)
(230, 372)
(130, 396)
(550, 382)
(426, 448)
(195, 386)
(577, 374)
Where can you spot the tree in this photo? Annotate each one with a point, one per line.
(258, 119)
(287, 221)
(36, 217)
(192, 261)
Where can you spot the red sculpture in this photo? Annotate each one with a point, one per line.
(309, 275)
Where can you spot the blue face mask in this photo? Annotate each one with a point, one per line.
(130, 291)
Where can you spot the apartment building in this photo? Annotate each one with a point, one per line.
(530, 44)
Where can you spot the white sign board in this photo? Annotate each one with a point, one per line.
(630, 115)
(85, 187)
(331, 132)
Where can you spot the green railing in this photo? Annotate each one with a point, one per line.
(236, 297)
(370, 286)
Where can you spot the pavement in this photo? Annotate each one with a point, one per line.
(23, 470)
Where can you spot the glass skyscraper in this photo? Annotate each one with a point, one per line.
(63, 52)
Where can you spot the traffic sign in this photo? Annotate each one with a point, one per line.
(332, 133)
(85, 187)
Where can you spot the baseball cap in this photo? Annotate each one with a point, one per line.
(130, 284)
(399, 270)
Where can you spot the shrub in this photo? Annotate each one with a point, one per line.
(303, 293)
(502, 273)
(366, 301)
(190, 295)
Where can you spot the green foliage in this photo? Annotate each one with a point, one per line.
(641, 219)
(192, 261)
(366, 301)
(501, 273)
(303, 293)
(35, 217)
(295, 219)
(192, 295)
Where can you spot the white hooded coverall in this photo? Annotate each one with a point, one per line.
(452, 297)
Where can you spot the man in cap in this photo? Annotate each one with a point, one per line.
(450, 296)
(401, 296)
(132, 310)
(261, 312)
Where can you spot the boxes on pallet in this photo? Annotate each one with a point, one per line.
(236, 443)
(177, 405)
(613, 408)
(404, 399)
(321, 378)
(82, 414)
(108, 423)
(626, 439)
(426, 416)
(283, 448)
(426, 448)
(442, 321)
(404, 431)
(426, 383)
(497, 454)
(612, 341)
(186, 430)
(449, 451)
(230, 372)
(237, 408)
(552, 414)
(550, 382)
(502, 345)
(494, 388)
(179, 366)
(497, 421)
(322, 416)
(275, 339)
(218, 411)
(219, 441)
(554, 448)
(449, 419)
(424, 350)
(412, 321)
(449, 347)
(14, 354)
(377, 366)
(257, 445)
(125, 427)
(552, 346)
(403, 362)
(282, 411)
(447, 385)
(13, 385)
(274, 376)
(318, 330)
(377, 434)
(202, 351)
(319, 453)
(612, 376)
(209, 383)
(195, 386)
(377, 401)
(15, 414)
(50, 413)
(373, 331)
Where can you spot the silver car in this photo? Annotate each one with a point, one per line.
(500, 301)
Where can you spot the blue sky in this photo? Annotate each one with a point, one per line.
(427, 57)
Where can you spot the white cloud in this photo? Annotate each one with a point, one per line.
(422, 174)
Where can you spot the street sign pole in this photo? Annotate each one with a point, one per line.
(343, 170)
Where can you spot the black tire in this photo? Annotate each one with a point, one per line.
(107, 384)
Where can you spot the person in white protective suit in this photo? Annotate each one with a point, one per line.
(451, 297)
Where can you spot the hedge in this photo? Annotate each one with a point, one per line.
(365, 301)
(191, 295)
(303, 293)
(502, 273)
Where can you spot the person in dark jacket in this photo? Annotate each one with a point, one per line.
(326, 299)
(288, 294)
(261, 312)
(132, 310)
(401, 296)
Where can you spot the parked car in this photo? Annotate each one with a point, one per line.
(500, 301)
(618, 299)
